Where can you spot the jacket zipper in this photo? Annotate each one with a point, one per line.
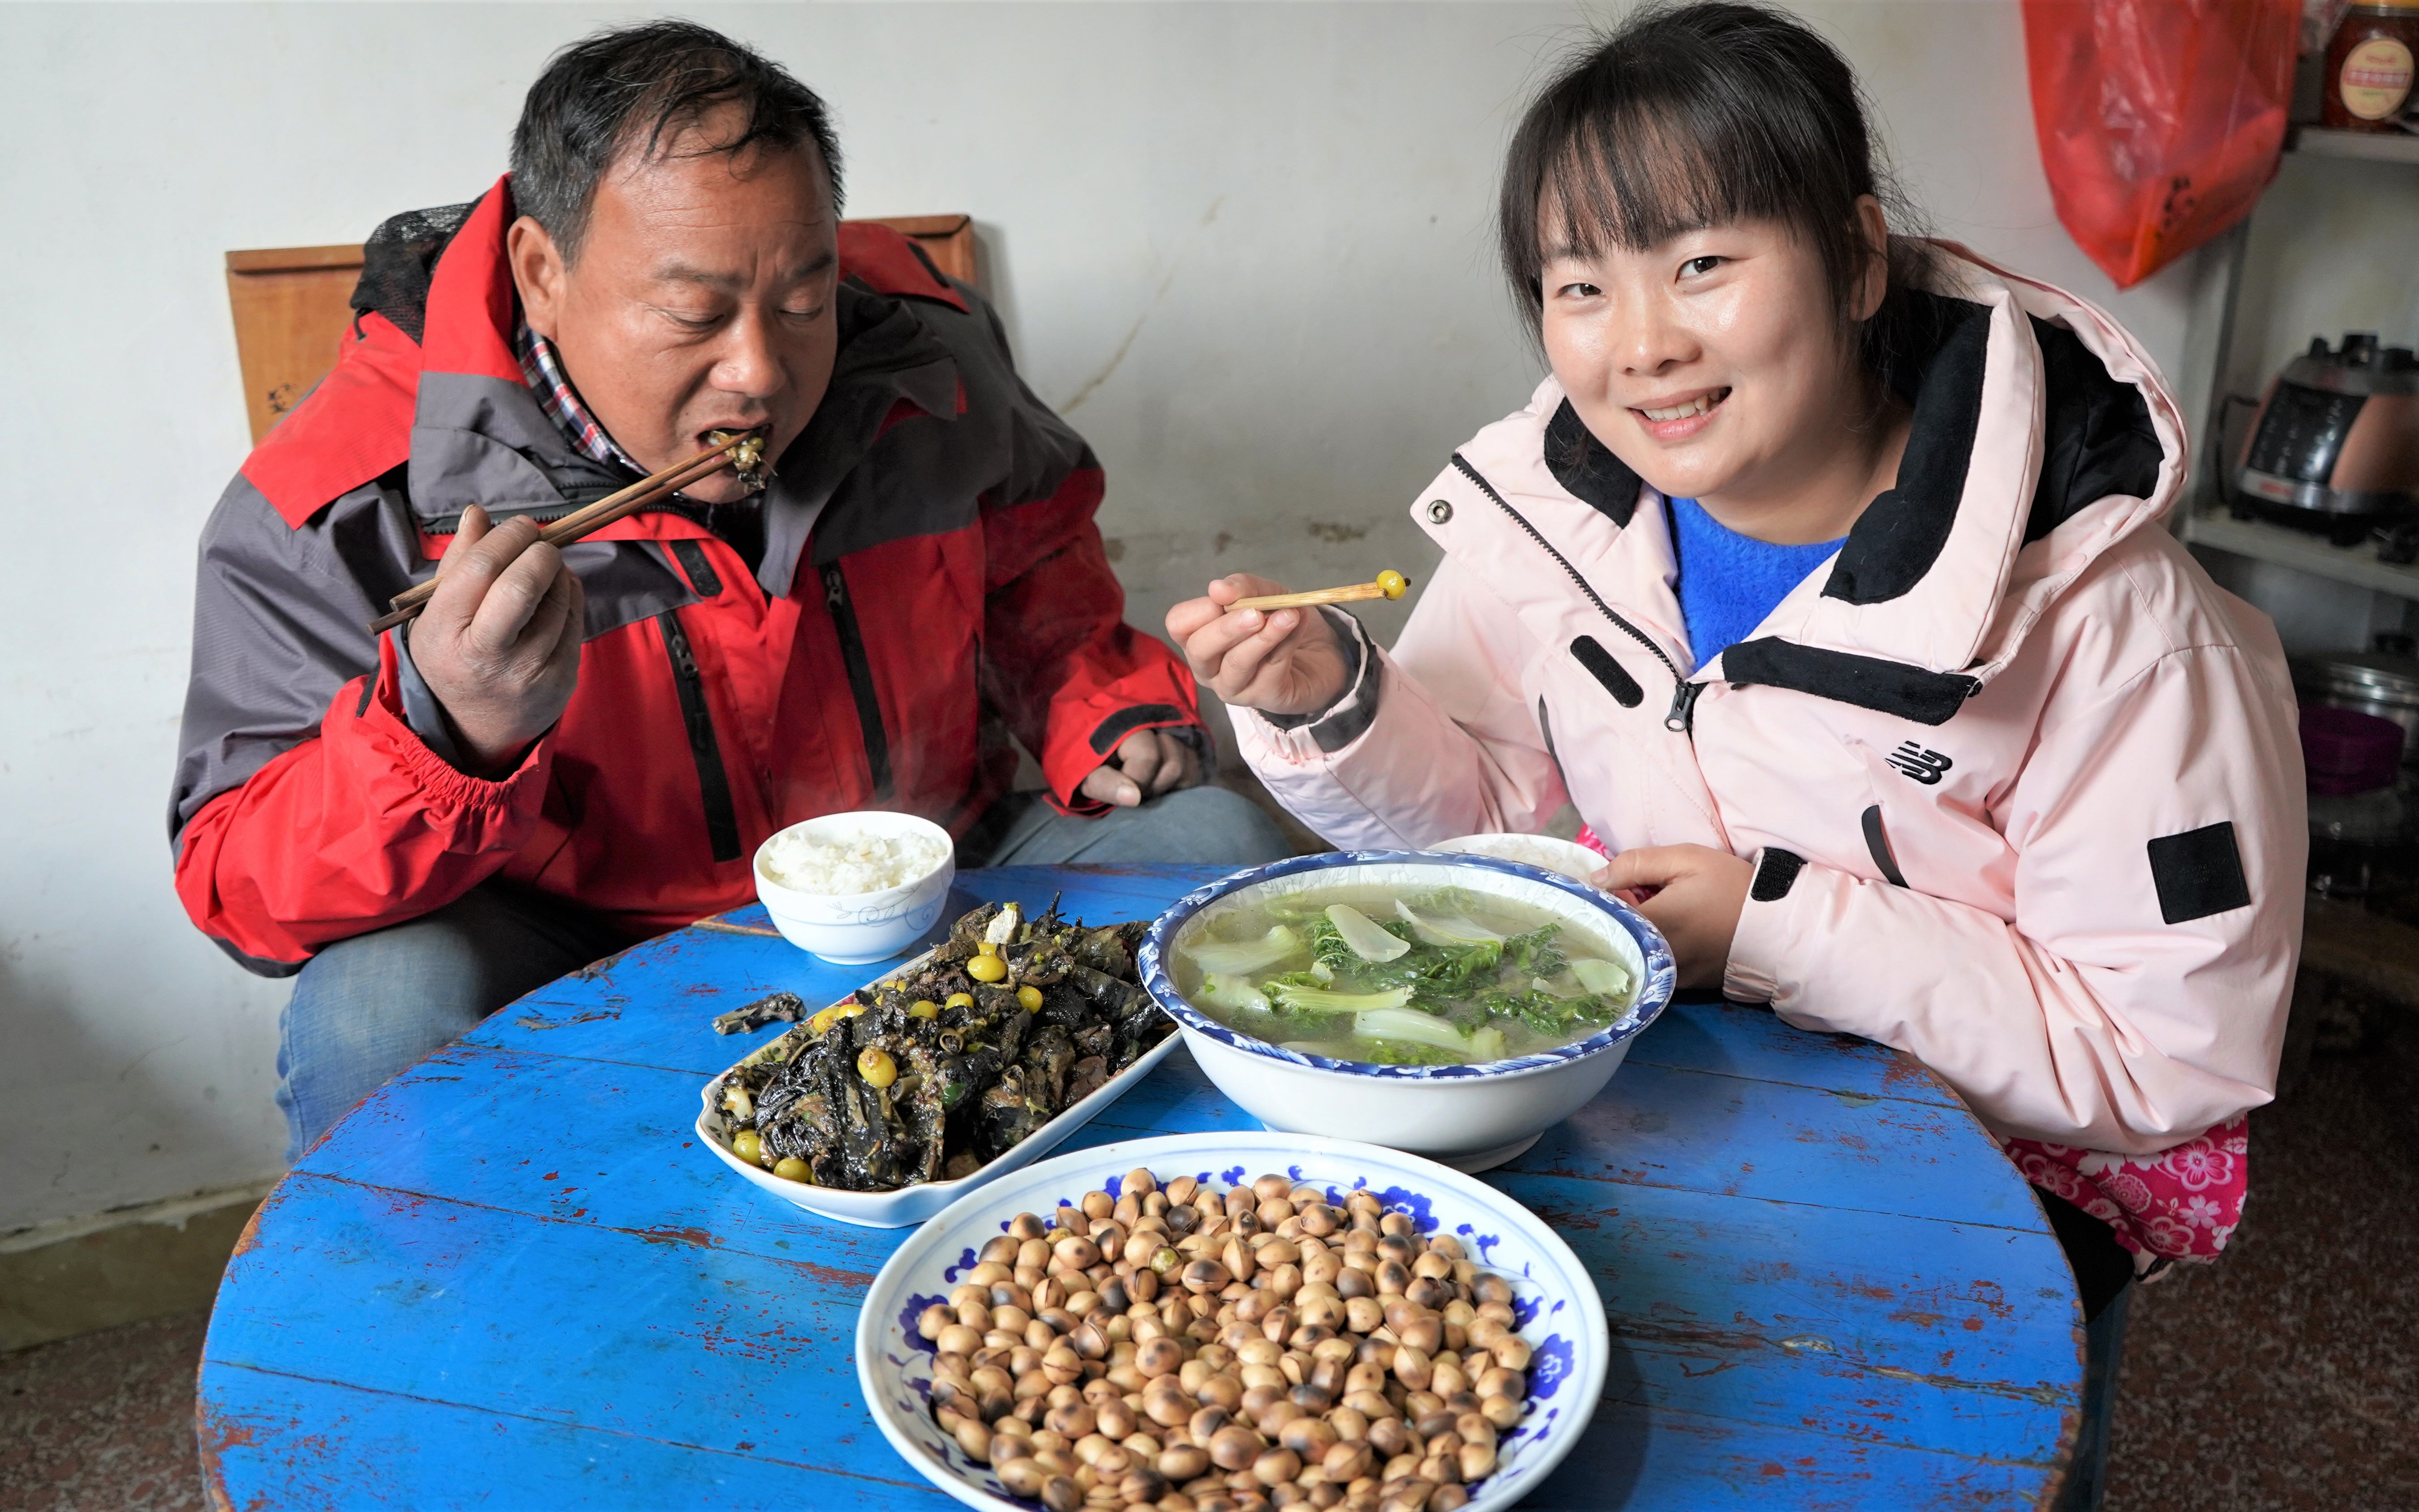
(712, 781)
(1681, 718)
(860, 680)
(547, 514)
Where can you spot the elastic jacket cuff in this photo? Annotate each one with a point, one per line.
(384, 717)
(1752, 974)
(1349, 717)
(421, 712)
(1110, 733)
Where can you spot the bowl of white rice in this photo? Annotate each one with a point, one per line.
(1569, 857)
(855, 887)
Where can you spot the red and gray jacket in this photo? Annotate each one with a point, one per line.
(934, 589)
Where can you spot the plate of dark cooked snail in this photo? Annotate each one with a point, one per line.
(972, 1059)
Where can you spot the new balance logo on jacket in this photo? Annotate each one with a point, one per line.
(1923, 765)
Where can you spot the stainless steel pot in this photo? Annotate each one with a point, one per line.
(2369, 682)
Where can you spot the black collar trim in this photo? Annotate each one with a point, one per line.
(1927, 697)
(887, 354)
(2097, 437)
(1586, 468)
(1901, 534)
(398, 261)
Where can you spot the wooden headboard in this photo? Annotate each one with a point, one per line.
(293, 304)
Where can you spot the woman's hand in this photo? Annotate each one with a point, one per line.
(1693, 894)
(1283, 662)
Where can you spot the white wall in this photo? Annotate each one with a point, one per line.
(1245, 244)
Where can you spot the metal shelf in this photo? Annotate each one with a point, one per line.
(2375, 146)
(2215, 525)
(2281, 544)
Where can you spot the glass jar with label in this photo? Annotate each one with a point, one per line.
(2369, 76)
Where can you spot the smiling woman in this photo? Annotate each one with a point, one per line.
(1709, 264)
(1825, 577)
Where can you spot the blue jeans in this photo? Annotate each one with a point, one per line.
(366, 1008)
(2104, 1349)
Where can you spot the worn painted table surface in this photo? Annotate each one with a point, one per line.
(511, 1279)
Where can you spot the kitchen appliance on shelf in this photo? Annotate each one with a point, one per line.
(2335, 446)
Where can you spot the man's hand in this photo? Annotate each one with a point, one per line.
(1693, 894)
(1147, 763)
(499, 643)
(1283, 662)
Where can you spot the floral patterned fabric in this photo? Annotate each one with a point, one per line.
(2178, 1204)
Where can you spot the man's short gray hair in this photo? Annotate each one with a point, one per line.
(634, 86)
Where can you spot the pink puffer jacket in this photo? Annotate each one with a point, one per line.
(2022, 784)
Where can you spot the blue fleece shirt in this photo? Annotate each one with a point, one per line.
(1727, 581)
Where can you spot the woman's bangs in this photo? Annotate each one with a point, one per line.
(1632, 178)
(1692, 116)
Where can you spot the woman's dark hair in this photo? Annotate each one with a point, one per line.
(1699, 115)
(633, 86)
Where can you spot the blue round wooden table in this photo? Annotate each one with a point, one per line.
(510, 1279)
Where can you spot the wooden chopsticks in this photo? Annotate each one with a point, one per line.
(1388, 584)
(592, 518)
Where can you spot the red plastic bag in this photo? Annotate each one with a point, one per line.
(2160, 120)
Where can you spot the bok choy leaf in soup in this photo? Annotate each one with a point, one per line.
(1233, 991)
(1428, 977)
(1422, 1028)
(1606, 978)
(1540, 954)
(1247, 955)
(1308, 1000)
(1362, 934)
(1444, 929)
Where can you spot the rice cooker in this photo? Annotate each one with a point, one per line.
(2336, 446)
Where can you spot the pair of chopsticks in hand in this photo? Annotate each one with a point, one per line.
(744, 450)
(736, 451)
(1388, 584)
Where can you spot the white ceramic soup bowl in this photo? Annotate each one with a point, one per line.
(857, 929)
(1471, 1117)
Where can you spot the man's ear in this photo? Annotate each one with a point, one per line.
(1873, 230)
(538, 273)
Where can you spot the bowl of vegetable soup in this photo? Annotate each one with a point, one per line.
(1453, 1006)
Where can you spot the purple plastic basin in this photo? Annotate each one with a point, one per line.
(2347, 752)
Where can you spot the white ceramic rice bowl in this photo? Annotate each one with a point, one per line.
(1567, 856)
(1561, 1314)
(860, 929)
(1472, 1118)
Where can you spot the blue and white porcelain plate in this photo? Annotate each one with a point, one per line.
(1556, 1302)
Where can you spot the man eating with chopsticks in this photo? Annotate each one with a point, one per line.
(579, 744)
